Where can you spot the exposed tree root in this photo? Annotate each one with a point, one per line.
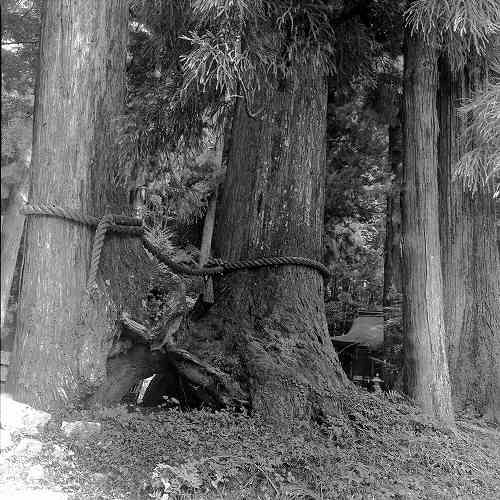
(142, 352)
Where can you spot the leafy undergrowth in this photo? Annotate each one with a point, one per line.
(376, 447)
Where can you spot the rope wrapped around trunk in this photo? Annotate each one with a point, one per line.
(134, 226)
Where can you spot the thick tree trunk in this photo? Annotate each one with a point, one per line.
(268, 329)
(426, 375)
(12, 231)
(64, 336)
(470, 261)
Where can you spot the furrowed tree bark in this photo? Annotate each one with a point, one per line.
(267, 328)
(64, 336)
(470, 261)
(426, 376)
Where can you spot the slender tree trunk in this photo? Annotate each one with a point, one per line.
(209, 224)
(426, 375)
(268, 329)
(470, 261)
(206, 246)
(497, 221)
(392, 258)
(12, 231)
(64, 336)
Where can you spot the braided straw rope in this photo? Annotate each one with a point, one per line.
(220, 266)
(133, 226)
(119, 223)
(104, 225)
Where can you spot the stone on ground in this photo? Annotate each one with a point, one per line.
(81, 430)
(5, 440)
(61, 453)
(31, 494)
(36, 472)
(28, 447)
(21, 418)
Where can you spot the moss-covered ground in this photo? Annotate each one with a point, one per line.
(377, 446)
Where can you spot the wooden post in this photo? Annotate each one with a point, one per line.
(138, 199)
(206, 245)
(208, 227)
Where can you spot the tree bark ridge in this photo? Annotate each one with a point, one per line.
(268, 328)
(61, 349)
(426, 376)
(470, 261)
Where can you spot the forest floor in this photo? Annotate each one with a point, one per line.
(377, 446)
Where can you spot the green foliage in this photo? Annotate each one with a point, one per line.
(191, 61)
(20, 42)
(20, 27)
(466, 29)
(166, 130)
(17, 125)
(217, 50)
(269, 36)
(384, 98)
(182, 184)
(479, 167)
(354, 210)
(457, 25)
(150, 125)
(224, 50)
